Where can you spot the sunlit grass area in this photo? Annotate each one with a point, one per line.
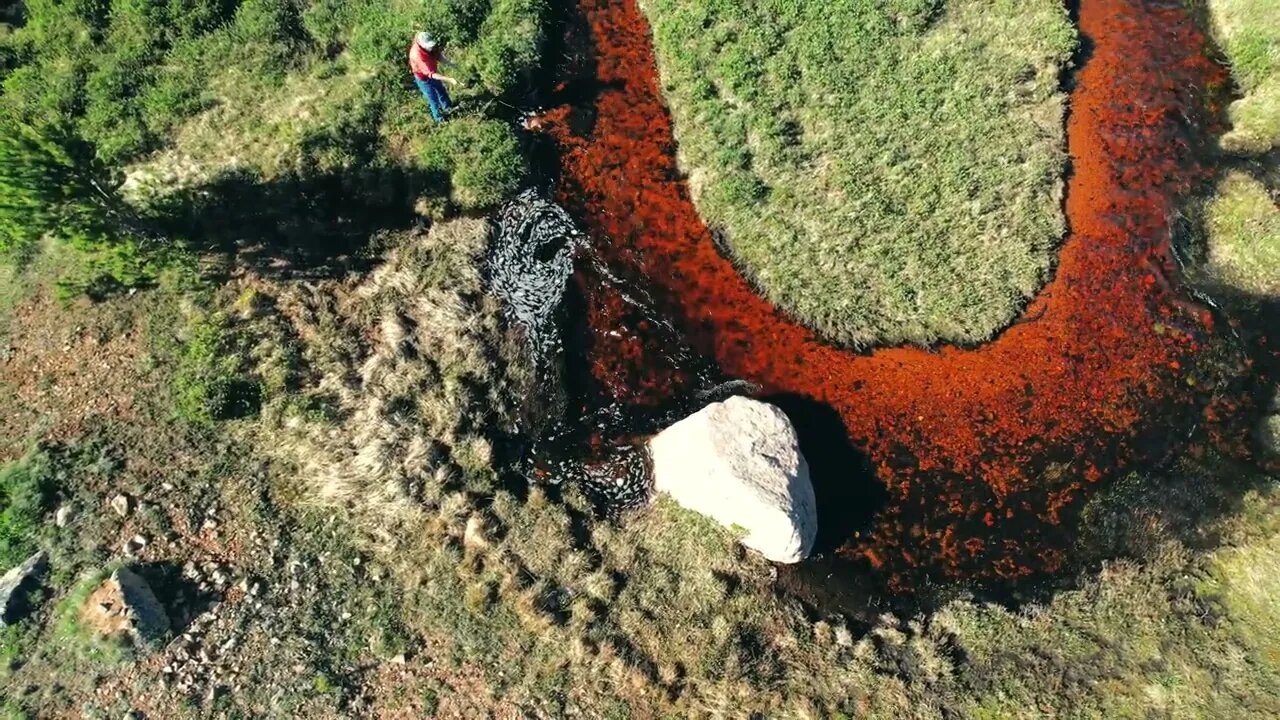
(886, 172)
(1249, 32)
(1243, 222)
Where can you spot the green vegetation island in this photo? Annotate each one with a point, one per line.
(256, 392)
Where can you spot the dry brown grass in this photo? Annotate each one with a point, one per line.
(664, 613)
(416, 367)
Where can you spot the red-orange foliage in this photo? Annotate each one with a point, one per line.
(985, 452)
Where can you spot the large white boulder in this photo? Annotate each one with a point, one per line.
(739, 463)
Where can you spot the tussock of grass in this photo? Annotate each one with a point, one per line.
(1249, 32)
(1243, 224)
(418, 370)
(886, 172)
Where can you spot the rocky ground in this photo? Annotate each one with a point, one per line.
(272, 610)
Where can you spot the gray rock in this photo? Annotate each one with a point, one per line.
(15, 584)
(124, 605)
(150, 623)
(135, 545)
(63, 516)
(121, 505)
(739, 463)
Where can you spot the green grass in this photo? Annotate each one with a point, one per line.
(209, 383)
(129, 71)
(887, 172)
(1243, 225)
(1249, 33)
(25, 488)
(184, 94)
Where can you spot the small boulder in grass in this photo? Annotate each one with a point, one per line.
(739, 463)
(125, 607)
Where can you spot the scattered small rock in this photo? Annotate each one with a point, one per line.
(14, 586)
(121, 504)
(135, 545)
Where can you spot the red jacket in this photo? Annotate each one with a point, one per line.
(423, 64)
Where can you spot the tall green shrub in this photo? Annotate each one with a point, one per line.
(50, 184)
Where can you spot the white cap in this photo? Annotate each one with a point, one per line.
(425, 41)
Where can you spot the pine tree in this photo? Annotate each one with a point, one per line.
(51, 184)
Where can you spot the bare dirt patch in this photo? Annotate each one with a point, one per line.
(62, 366)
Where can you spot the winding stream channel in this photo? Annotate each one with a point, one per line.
(977, 460)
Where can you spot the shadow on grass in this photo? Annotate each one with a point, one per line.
(296, 227)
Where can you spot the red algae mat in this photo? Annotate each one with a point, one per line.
(987, 453)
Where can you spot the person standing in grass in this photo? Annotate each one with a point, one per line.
(425, 59)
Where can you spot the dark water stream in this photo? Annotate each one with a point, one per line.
(947, 464)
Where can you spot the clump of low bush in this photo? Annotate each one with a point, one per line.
(25, 488)
(53, 186)
(210, 381)
(481, 157)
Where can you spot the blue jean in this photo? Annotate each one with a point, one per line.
(437, 96)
